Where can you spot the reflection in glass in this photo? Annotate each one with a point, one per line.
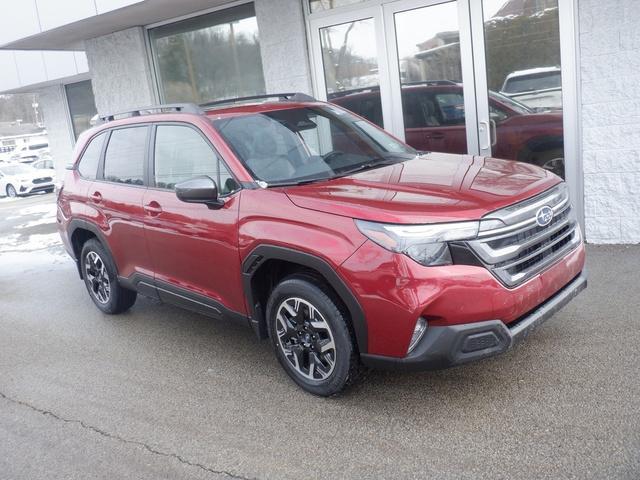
(523, 63)
(210, 57)
(82, 105)
(322, 5)
(350, 61)
(431, 78)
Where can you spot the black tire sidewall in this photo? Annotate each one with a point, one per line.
(14, 190)
(93, 245)
(310, 291)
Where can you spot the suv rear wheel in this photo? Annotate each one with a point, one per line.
(101, 280)
(310, 336)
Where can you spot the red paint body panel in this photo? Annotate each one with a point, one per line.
(395, 291)
(196, 248)
(433, 188)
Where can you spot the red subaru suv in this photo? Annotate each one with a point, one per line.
(342, 245)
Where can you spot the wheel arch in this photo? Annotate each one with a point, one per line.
(80, 231)
(261, 266)
(540, 144)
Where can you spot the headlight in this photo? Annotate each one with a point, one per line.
(426, 244)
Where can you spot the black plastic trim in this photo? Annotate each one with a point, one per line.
(262, 253)
(444, 347)
(76, 224)
(180, 297)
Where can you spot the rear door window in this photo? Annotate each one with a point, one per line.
(124, 160)
(88, 167)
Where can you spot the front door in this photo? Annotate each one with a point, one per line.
(194, 249)
(460, 76)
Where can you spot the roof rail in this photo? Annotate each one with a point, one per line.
(282, 97)
(167, 108)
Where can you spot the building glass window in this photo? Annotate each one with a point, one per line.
(82, 105)
(322, 5)
(210, 57)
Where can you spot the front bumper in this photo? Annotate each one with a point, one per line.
(29, 188)
(447, 346)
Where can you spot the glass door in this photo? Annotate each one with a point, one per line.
(350, 63)
(433, 105)
(458, 76)
(519, 81)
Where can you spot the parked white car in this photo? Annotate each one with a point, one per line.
(18, 179)
(537, 88)
(45, 163)
(30, 153)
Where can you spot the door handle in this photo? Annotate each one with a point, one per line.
(153, 208)
(485, 132)
(96, 197)
(435, 136)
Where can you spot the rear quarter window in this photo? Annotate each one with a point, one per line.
(88, 167)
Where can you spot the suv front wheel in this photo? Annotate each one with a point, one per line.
(308, 329)
(101, 280)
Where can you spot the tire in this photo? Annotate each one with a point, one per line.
(101, 279)
(11, 191)
(50, 190)
(309, 299)
(552, 160)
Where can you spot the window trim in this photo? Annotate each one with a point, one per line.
(145, 174)
(151, 157)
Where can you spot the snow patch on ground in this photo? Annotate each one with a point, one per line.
(47, 210)
(41, 241)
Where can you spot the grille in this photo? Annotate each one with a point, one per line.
(42, 180)
(515, 248)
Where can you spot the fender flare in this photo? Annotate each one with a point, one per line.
(77, 224)
(263, 253)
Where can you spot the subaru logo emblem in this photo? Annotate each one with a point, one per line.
(544, 216)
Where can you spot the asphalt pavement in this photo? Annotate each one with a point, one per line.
(163, 393)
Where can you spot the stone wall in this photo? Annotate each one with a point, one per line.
(610, 74)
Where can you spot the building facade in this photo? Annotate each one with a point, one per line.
(549, 82)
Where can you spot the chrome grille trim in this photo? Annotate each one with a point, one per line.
(517, 248)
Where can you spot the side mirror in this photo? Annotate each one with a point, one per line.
(200, 190)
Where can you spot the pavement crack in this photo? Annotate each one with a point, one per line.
(118, 438)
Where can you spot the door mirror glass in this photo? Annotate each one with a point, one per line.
(201, 189)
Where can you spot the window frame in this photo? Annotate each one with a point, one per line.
(151, 157)
(145, 161)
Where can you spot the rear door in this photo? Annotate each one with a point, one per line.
(117, 195)
(194, 249)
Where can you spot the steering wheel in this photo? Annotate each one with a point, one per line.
(331, 156)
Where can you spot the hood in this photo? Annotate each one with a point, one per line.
(430, 188)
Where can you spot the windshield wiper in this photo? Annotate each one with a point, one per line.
(378, 162)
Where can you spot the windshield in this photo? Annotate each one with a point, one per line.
(533, 82)
(16, 170)
(306, 144)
